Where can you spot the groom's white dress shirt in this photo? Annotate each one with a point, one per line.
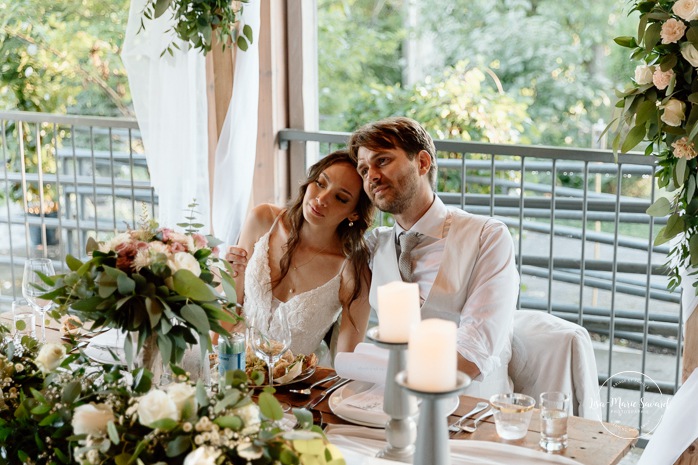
(464, 266)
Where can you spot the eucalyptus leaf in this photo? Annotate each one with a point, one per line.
(178, 446)
(71, 391)
(270, 407)
(652, 35)
(690, 188)
(661, 207)
(186, 284)
(674, 225)
(626, 41)
(160, 7)
(693, 249)
(197, 317)
(634, 137)
(112, 432)
(680, 171)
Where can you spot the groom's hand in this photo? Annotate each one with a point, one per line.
(237, 257)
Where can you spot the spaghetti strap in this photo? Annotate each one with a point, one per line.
(276, 220)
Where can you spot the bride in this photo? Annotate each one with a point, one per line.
(310, 259)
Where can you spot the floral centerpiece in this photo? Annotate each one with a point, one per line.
(58, 409)
(157, 284)
(661, 107)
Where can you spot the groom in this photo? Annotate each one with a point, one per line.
(463, 263)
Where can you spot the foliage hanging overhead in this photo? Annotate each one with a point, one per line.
(196, 20)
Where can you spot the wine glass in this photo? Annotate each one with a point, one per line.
(270, 337)
(31, 292)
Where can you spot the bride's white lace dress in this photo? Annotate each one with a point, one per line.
(310, 314)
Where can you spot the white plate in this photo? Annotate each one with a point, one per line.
(374, 419)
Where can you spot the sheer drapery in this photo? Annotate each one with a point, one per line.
(237, 144)
(169, 97)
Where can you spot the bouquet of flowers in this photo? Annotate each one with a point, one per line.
(661, 106)
(64, 410)
(154, 282)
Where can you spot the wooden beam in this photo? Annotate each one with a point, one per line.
(271, 179)
(219, 90)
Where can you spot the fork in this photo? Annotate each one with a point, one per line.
(470, 428)
(455, 427)
(307, 391)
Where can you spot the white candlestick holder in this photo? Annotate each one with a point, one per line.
(432, 431)
(401, 407)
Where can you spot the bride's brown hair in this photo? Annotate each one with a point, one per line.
(352, 237)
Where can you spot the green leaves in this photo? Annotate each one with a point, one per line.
(186, 284)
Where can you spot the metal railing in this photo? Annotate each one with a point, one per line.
(583, 239)
(62, 179)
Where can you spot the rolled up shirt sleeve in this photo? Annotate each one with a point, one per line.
(486, 321)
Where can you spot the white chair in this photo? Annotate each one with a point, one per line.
(552, 354)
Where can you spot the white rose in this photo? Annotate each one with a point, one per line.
(182, 395)
(202, 456)
(249, 414)
(672, 31)
(661, 78)
(686, 9)
(50, 357)
(690, 54)
(184, 261)
(92, 419)
(111, 244)
(673, 112)
(643, 74)
(156, 405)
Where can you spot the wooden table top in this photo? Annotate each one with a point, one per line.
(590, 442)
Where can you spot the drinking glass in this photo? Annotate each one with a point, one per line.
(512, 414)
(270, 338)
(23, 319)
(31, 292)
(554, 410)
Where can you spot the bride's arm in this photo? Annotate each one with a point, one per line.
(352, 333)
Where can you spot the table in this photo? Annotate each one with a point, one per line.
(589, 442)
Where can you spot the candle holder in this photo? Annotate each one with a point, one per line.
(401, 407)
(432, 431)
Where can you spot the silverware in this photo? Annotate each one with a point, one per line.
(455, 427)
(320, 397)
(307, 391)
(472, 424)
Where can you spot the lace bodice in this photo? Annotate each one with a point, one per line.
(310, 314)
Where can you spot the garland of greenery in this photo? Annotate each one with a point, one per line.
(196, 20)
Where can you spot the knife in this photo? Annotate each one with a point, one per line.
(316, 400)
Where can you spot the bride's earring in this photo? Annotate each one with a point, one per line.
(351, 223)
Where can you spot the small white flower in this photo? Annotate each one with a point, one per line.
(156, 405)
(92, 419)
(202, 456)
(674, 112)
(686, 9)
(50, 357)
(643, 74)
(250, 417)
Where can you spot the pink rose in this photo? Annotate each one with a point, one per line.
(672, 31)
(661, 79)
(684, 149)
(686, 9)
(166, 234)
(199, 240)
(176, 247)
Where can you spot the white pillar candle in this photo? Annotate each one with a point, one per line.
(398, 311)
(432, 361)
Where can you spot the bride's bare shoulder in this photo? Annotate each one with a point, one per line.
(262, 216)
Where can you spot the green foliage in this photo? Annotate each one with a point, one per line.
(660, 107)
(195, 22)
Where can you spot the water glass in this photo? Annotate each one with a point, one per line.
(554, 410)
(512, 414)
(32, 285)
(23, 319)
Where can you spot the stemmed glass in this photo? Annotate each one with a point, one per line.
(270, 337)
(32, 284)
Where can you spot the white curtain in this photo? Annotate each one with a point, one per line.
(169, 97)
(237, 145)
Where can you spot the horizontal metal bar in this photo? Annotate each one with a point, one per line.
(71, 120)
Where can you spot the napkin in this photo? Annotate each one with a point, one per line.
(360, 445)
(678, 428)
(366, 406)
(367, 363)
(99, 347)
